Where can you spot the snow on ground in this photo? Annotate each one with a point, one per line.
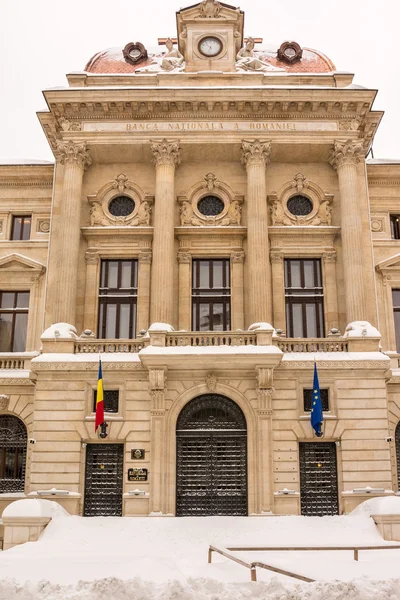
(166, 558)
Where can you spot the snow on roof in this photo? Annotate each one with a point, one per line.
(24, 161)
(378, 506)
(383, 161)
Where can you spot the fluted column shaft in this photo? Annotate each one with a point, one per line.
(143, 302)
(166, 158)
(344, 159)
(255, 157)
(278, 289)
(237, 289)
(185, 308)
(65, 245)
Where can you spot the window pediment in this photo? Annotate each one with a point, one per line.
(389, 265)
(19, 263)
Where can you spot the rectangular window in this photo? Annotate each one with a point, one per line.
(307, 399)
(396, 316)
(111, 400)
(21, 228)
(304, 298)
(211, 295)
(395, 227)
(118, 299)
(13, 321)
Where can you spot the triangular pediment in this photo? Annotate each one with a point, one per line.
(18, 262)
(389, 264)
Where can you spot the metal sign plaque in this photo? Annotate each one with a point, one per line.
(137, 454)
(137, 474)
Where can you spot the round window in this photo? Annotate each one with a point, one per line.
(210, 206)
(300, 206)
(122, 206)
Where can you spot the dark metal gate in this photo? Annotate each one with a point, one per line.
(13, 443)
(397, 442)
(211, 458)
(103, 481)
(318, 479)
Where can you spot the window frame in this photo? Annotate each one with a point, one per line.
(211, 295)
(25, 220)
(14, 311)
(395, 226)
(114, 297)
(304, 296)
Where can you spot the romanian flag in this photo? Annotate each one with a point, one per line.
(99, 400)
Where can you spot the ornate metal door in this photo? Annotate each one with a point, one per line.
(103, 481)
(211, 458)
(13, 442)
(318, 479)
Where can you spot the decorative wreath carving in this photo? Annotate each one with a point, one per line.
(231, 204)
(320, 214)
(120, 186)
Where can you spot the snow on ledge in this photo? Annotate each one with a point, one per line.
(198, 350)
(389, 505)
(60, 331)
(34, 508)
(361, 329)
(106, 357)
(161, 327)
(333, 356)
(261, 327)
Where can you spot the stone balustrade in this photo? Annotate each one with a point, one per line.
(211, 338)
(16, 360)
(109, 346)
(313, 345)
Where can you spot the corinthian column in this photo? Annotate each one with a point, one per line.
(255, 157)
(66, 231)
(345, 158)
(166, 158)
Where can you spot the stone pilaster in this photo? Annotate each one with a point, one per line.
(65, 239)
(330, 291)
(255, 157)
(166, 159)
(237, 289)
(143, 301)
(344, 158)
(265, 390)
(278, 289)
(185, 308)
(157, 380)
(92, 260)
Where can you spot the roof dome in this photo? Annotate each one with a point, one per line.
(112, 61)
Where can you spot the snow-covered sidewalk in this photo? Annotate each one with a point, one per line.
(166, 558)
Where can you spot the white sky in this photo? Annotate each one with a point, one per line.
(42, 40)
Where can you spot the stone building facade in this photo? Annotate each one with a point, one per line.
(198, 195)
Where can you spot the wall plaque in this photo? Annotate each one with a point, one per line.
(137, 474)
(137, 454)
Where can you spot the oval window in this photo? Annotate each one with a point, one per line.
(122, 206)
(300, 206)
(210, 206)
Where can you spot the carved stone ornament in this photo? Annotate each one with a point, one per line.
(43, 226)
(255, 153)
(320, 212)
(209, 9)
(145, 257)
(70, 154)
(134, 53)
(350, 125)
(121, 186)
(210, 188)
(290, 52)
(66, 125)
(184, 258)
(249, 60)
(237, 257)
(166, 153)
(1, 226)
(4, 400)
(346, 153)
(170, 62)
(211, 382)
(92, 257)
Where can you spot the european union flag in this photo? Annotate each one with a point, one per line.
(316, 406)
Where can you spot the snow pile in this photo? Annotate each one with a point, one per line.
(34, 508)
(361, 329)
(60, 331)
(161, 327)
(261, 327)
(378, 506)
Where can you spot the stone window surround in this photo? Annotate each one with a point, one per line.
(303, 383)
(37, 217)
(93, 259)
(118, 416)
(328, 263)
(25, 279)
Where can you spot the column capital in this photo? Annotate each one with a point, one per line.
(276, 256)
(145, 257)
(329, 256)
(184, 258)
(92, 257)
(70, 153)
(166, 153)
(255, 153)
(237, 257)
(346, 153)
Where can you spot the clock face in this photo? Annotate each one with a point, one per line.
(210, 46)
(134, 53)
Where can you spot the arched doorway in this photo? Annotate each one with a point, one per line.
(397, 441)
(13, 441)
(211, 470)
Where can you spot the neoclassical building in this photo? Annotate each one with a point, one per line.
(211, 227)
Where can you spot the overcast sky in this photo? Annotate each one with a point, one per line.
(42, 40)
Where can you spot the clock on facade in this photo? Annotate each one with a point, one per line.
(210, 46)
